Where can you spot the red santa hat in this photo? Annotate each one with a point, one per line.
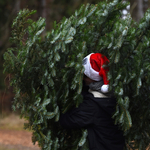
(95, 69)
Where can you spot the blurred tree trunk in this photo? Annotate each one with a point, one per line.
(146, 5)
(43, 4)
(137, 9)
(42, 12)
(17, 5)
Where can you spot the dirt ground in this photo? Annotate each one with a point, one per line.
(13, 136)
(16, 140)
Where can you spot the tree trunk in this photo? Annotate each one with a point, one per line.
(145, 5)
(17, 5)
(43, 4)
(43, 13)
(137, 9)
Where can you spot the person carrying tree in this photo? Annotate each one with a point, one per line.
(96, 110)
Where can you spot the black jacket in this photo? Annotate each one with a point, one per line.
(95, 114)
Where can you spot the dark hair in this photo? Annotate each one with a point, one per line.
(85, 76)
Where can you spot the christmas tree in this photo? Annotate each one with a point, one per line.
(47, 73)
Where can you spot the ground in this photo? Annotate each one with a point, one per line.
(16, 140)
(13, 136)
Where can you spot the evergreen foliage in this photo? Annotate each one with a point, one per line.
(47, 73)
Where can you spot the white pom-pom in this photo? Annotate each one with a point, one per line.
(105, 88)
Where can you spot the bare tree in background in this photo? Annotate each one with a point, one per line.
(17, 5)
(43, 12)
(146, 5)
(137, 9)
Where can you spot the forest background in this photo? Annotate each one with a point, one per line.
(52, 10)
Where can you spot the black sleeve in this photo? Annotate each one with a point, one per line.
(80, 117)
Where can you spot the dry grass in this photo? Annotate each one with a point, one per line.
(11, 122)
(12, 134)
(3, 147)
